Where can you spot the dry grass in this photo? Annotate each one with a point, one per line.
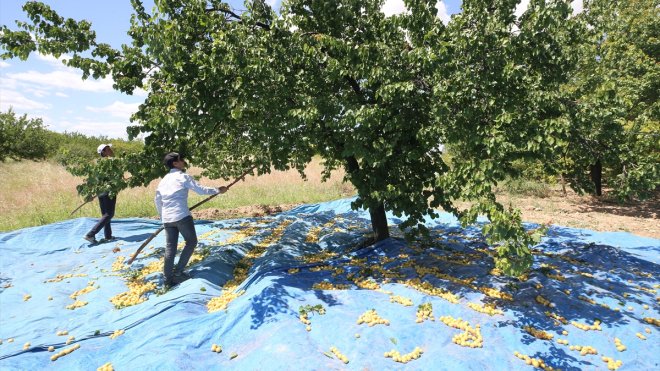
(38, 193)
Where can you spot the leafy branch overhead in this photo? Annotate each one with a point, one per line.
(377, 96)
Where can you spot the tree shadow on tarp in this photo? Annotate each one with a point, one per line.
(136, 237)
(288, 254)
(650, 251)
(233, 251)
(218, 267)
(584, 282)
(579, 281)
(561, 360)
(272, 300)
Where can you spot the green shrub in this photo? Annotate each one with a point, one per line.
(527, 187)
(23, 138)
(76, 147)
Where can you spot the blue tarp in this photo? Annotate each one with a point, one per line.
(586, 289)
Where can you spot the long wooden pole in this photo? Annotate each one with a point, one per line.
(83, 204)
(153, 235)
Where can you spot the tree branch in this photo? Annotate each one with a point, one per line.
(238, 18)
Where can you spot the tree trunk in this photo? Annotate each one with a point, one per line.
(378, 218)
(379, 223)
(597, 177)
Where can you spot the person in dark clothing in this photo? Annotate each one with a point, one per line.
(107, 205)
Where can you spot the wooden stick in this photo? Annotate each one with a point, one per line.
(153, 235)
(83, 204)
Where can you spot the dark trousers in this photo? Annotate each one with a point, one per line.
(107, 212)
(186, 227)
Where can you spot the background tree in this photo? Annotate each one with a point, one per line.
(22, 138)
(374, 95)
(71, 148)
(499, 104)
(612, 131)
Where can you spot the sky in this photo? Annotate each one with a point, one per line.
(42, 87)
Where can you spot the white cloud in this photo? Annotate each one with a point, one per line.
(17, 101)
(521, 8)
(45, 118)
(140, 92)
(442, 12)
(64, 79)
(56, 62)
(39, 93)
(62, 95)
(578, 6)
(272, 3)
(392, 7)
(5, 83)
(102, 85)
(4, 64)
(59, 76)
(111, 129)
(117, 109)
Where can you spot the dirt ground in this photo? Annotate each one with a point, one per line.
(589, 212)
(572, 210)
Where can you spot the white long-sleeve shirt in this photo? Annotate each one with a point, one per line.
(172, 195)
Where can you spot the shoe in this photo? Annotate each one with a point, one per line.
(112, 238)
(180, 277)
(91, 239)
(182, 274)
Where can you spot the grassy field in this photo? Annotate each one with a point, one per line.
(38, 193)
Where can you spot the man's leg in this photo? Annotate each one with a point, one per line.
(187, 229)
(172, 238)
(103, 201)
(109, 210)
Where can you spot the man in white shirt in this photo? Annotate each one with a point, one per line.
(172, 204)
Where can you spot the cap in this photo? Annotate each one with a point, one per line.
(100, 148)
(170, 158)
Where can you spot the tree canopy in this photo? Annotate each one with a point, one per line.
(374, 95)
